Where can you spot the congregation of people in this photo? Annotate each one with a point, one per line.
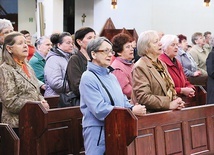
(151, 74)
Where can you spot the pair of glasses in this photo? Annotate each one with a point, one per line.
(6, 32)
(27, 35)
(107, 51)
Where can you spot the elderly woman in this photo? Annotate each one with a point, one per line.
(198, 52)
(37, 62)
(5, 28)
(56, 63)
(18, 83)
(189, 65)
(170, 49)
(122, 64)
(152, 84)
(99, 97)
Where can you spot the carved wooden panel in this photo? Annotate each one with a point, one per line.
(180, 132)
(109, 31)
(145, 142)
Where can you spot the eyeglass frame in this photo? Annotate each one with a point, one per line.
(106, 51)
(5, 33)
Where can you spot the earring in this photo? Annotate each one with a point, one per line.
(10, 52)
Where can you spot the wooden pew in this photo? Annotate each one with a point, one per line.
(56, 131)
(53, 101)
(200, 97)
(181, 132)
(9, 141)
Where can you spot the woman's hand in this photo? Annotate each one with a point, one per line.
(45, 104)
(190, 92)
(43, 87)
(178, 103)
(197, 73)
(139, 109)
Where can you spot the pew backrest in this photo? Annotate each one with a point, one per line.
(9, 141)
(53, 101)
(187, 131)
(200, 97)
(56, 131)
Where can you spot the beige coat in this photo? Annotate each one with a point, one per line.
(15, 90)
(200, 55)
(149, 88)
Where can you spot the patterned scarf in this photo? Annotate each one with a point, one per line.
(23, 65)
(171, 93)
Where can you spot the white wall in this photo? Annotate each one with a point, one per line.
(126, 15)
(87, 7)
(26, 10)
(183, 16)
(169, 16)
(53, 16)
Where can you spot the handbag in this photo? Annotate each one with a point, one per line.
(68, 99)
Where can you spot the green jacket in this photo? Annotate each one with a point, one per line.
(37, 62)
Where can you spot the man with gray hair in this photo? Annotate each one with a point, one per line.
(5, 28)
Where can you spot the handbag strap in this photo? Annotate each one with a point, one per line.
(112, 101)
(64, 83)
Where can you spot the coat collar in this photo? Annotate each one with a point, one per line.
(39, 56)
(155, 73)
(198, 48)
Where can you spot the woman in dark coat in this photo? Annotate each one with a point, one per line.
(210, 81)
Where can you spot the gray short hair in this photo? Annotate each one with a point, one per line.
(143, 43)
(195, 36)
(167, 40)
(95, 44)
(40, 41)
(4, 23)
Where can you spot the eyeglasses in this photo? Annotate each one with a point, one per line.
(6, 32)
(27, 35)
(107, 51)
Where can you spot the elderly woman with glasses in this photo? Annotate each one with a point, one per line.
(100, 92)
(152, 84)
(123, 63)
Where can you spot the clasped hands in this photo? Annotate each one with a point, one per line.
(139, 109)
(187, 91)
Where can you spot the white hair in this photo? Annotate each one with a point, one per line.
(4, 23)
(167, 40)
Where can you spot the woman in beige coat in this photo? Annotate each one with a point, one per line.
(152, 84)
(18, 83)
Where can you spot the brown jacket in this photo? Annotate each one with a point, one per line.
(149, 88)
(15, 90)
